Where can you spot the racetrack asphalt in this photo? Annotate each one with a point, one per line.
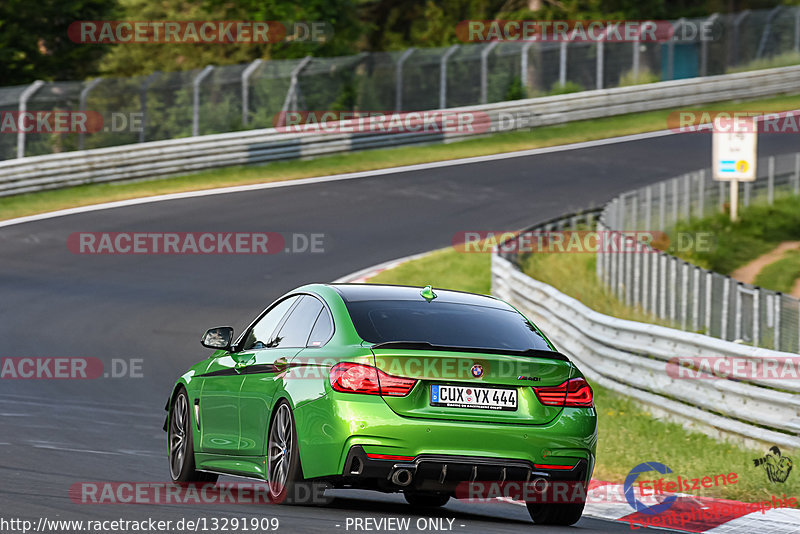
(55, 433)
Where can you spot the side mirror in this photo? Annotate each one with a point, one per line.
(219, 337)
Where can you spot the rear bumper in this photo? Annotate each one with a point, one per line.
(450, 473)
(330, 429)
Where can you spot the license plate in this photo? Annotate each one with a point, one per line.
(472, 397)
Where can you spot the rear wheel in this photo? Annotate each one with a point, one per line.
(425, 499)
(283, 457)
(555, 514)
(181, 444)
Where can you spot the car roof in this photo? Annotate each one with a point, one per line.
(363, 292)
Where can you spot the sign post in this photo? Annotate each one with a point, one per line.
(734, 150)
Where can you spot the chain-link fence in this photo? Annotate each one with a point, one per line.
(220, 99)
(688, 296)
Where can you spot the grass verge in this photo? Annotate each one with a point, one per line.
(781, 275)
(628, 433)
(573, 132)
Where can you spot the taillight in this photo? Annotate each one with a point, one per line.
(349, 377)
(575, 392)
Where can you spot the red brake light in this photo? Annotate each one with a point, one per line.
(575, 392)
(349, 377)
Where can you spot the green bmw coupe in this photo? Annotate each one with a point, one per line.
(391, 388)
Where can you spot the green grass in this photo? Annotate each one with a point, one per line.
(781, 275)
(760, 228)
(786, 59)
(573, 132)
(628, 433)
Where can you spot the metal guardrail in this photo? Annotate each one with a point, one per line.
(692, 298)
(186, 155)
(631, 358)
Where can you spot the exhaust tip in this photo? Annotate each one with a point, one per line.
(356, 466)
(402, 477)
(539, 484)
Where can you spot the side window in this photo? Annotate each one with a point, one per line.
(261, 334)
(322, 331)
(297, 327)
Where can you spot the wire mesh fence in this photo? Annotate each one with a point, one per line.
(220, 99)
(687, 296)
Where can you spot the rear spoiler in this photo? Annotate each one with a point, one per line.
(424, 345)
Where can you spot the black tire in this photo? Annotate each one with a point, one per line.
(555, 514)
(284, 473)
(425, 499)
(180, 443)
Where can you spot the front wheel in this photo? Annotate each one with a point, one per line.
(181, 444)
(284, 473)
(555, 514)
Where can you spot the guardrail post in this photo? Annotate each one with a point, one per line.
(443, 76)
(247, 73)
(485, 70)
(196, 98)
(726, 297)
(737, 21)
(143, 102)
(398, 79)
(704, 47)
(84, 96)
(771, 180)
(23, 107)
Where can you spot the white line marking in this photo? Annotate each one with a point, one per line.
(335, 177)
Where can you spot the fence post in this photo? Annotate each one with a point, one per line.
(695, 299)
(635, 59)
(143, 102)
(646, 252)
(443, 76)
(673, 288)
(599, 65)
(726, 297)
(762, 44)
(523, 65)
(776, 333)
(704, 47)
(701, 193)
(721, 187)
(291, 94)
(485, 70)
(662, 205)
(398, 79)
(662, 283)
(82, 107)
(23, 107)
(771, 180)
(687, 196)
(756, 317)
(797, 29)
(737, 312)
(797, 174)
(675, 194)
(737, 21)
(648, 207)
(196, 98)
(748, 186)
(709, 287)
(684, 294)
(654, 284)
(247, 73)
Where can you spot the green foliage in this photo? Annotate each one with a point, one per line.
(782, 274)
(515, 90)
(568, 87)
(760, 228)
(645, 76)
(34, 43)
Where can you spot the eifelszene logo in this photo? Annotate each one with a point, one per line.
(777, 466)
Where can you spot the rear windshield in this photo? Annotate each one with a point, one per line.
(444, 323)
